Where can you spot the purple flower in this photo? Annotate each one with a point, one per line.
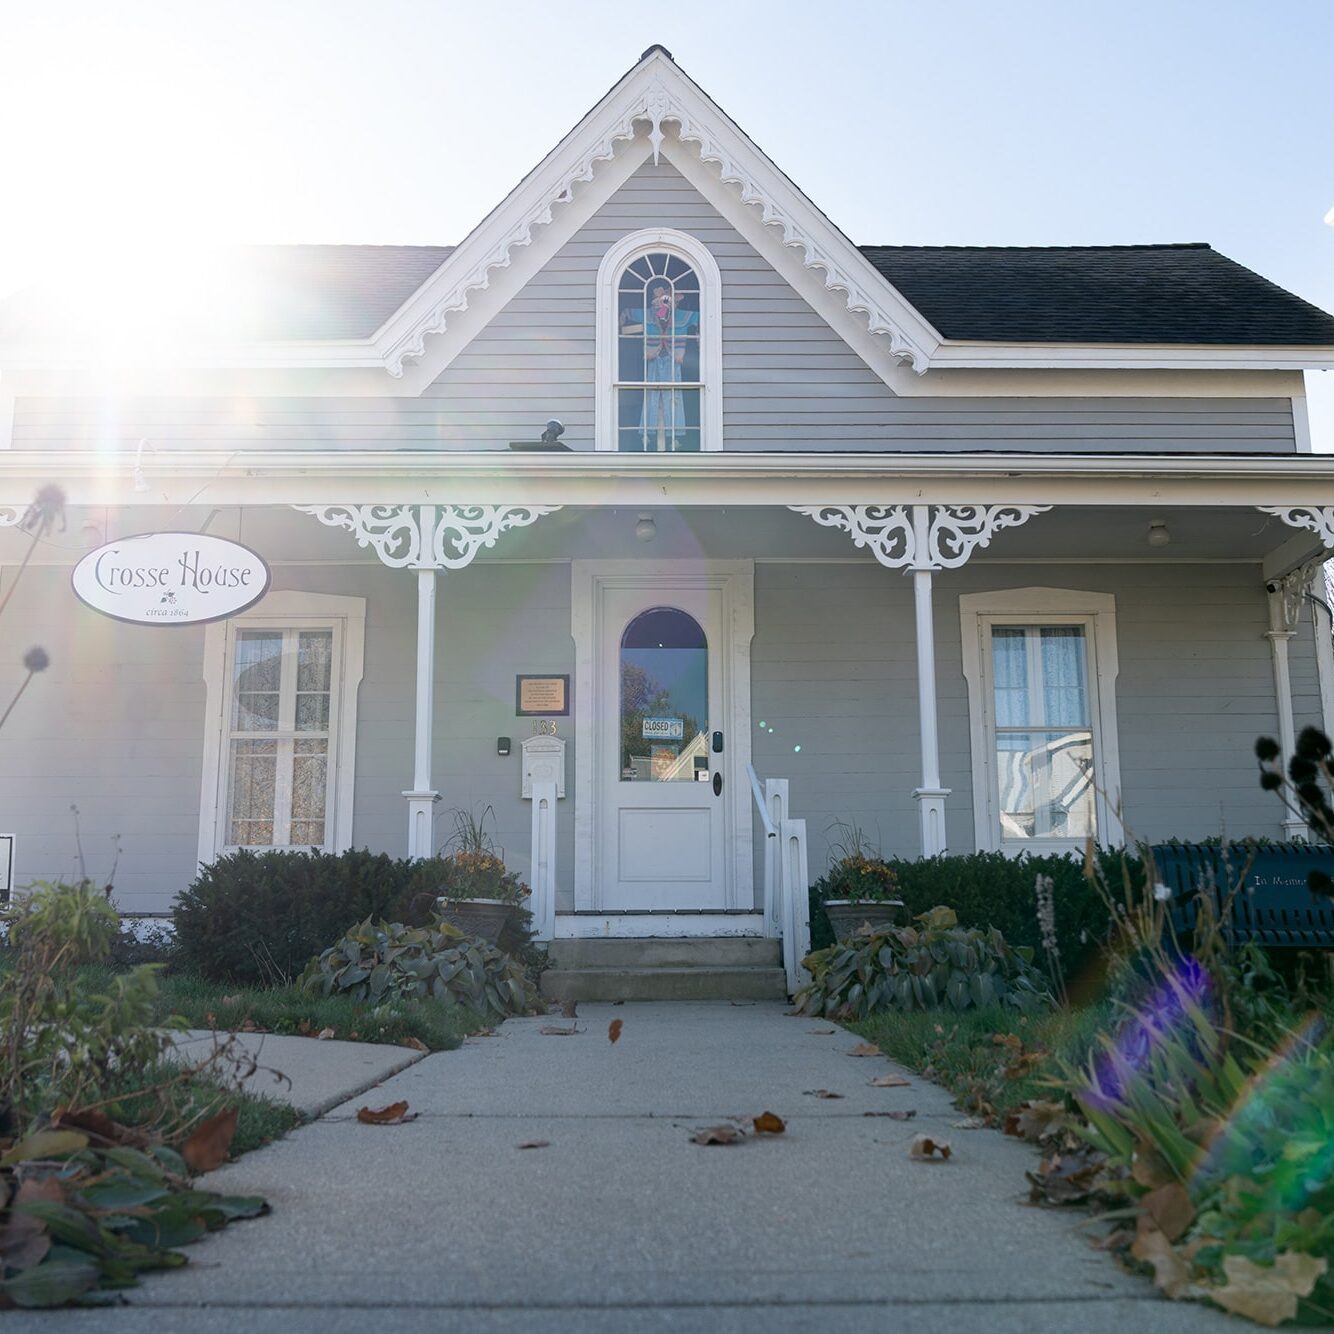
(36, 660)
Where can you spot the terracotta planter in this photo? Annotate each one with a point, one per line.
(478, 917)
(845, 916)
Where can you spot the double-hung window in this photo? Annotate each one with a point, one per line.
(279, 752)
(1041, 670)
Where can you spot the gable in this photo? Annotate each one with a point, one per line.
(788, 376)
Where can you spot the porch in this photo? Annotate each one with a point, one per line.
(844, 665)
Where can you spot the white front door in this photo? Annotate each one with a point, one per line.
(669, 740)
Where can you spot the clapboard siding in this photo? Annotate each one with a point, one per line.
(789, 381)
(834, 672)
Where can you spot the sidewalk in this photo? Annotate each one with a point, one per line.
(620, 1223)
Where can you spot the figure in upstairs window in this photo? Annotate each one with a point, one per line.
(659, 340)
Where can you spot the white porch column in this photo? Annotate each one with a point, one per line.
(421, 796)
(425, 538)
(1284, 609)
(923, 539)
(930, 796)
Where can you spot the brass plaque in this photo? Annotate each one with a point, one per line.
(541, 695)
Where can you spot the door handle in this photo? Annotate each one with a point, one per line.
(717, 744)
(717, 783)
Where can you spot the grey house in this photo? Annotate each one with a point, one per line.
(975, 548)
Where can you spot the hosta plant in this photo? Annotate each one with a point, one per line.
(935, 964)
(386, 962)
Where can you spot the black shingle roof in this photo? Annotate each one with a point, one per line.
(1186, 294)
(1097, 294)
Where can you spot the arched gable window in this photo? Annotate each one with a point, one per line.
(659, 311)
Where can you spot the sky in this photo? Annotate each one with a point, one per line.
(140, 125)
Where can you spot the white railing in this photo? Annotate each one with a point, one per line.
(786, 876)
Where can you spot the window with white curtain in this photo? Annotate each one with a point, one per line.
(1041, 667)
(279, 752)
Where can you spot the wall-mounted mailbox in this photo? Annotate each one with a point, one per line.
(543, 762)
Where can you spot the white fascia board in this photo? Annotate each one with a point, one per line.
(1129, 356)
(629, 480)
(339, 354)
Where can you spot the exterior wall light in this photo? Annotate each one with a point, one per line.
(646, 530)
(1158, 534)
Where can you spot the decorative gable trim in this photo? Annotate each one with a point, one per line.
(658, 92)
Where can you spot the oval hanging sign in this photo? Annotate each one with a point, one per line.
(170, 578)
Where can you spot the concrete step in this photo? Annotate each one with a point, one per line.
(667, 952)
(630, 984)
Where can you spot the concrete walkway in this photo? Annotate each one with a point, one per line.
(621, 1224)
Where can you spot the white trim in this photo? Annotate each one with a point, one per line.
(7, 402)
(1301, 424)
(640, 926)
(1129, 356)
(588, 579)
(289, 609)
(1051, 606)
(694, 252)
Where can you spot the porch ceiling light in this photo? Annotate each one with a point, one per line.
(646, 530)
(1158, 534)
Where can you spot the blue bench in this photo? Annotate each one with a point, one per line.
(1273, 908)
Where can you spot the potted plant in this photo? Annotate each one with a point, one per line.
(477, 893)
(859, 891)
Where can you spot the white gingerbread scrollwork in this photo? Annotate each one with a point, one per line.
(10, 517)
(956, 531)
(461, 531)
(1317, 519)
(885, 529)
(659, 100)
(398, 536)
(953, 532)
(1290, 593)
(392, 531)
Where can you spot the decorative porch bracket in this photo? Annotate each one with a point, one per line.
(923, 539)
(10, 517)
(425, 538)
(1287, 599)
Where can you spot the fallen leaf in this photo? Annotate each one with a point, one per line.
(619, 1002)
(1264, 1294)
(821, 1093)
(1066, 1178)
(895, 1116)
(718, 1135)
(865, 1049)
(924, 1149)
(207, 1146)
(969, 1123)
(614, 1029)
(231, 1000)
(769, 1124)
(890, 1081)
(741, 1003)
(396, 1114)
(822, 1032)
(1171, 1273)
(98, 1126)
(569, 1008)
(45, 1144)
(1035, 1120)
(416, 1044)
(535, 1144)
(551, 1031)
(324, 1034)
(24, 1240)
(1170, 1209)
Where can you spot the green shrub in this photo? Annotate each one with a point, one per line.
(255, 918)
(934, 965)
(387, 961)
(992, 889)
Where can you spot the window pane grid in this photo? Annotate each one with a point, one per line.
(1042, 737)
(278, 787)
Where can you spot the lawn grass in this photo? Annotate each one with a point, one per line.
(288, 1010)
(260, 1121)
(960, 1050)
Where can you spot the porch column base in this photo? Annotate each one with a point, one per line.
(421, 823)
(1296, 830)
(931, 813)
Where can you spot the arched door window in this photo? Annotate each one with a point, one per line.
(664, 698)
(658, 371)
